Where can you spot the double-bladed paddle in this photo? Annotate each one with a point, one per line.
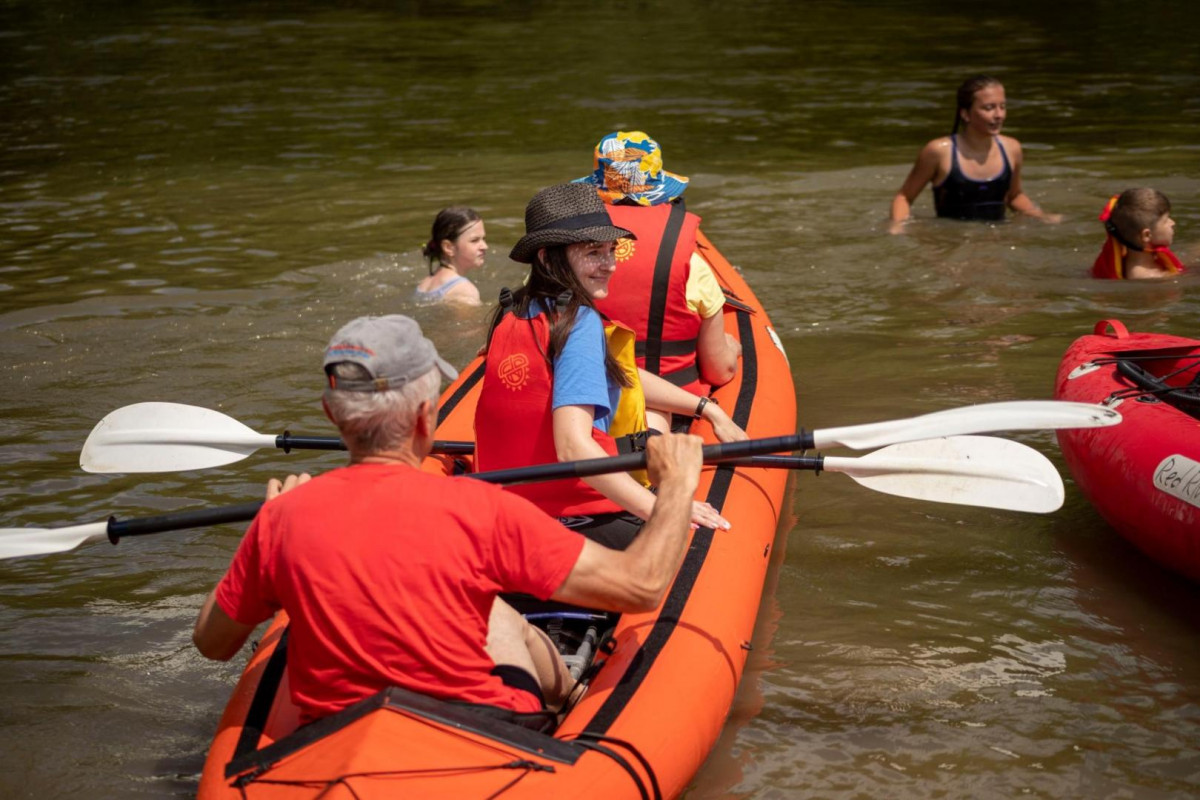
(168, 437)
(968, 470)
(171, 437)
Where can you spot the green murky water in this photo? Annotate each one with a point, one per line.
(194, 196)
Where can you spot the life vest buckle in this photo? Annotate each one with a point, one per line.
(634, 442)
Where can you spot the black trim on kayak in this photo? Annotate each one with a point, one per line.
(732, 301)
(658, 287)
(584, 739)
(461, 392)
(664, 626)
(263, 700)
(453, 715)
(625, 765)
(1185, 398)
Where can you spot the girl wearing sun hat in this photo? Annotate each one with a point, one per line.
(629, 169)
(557, 387)
(663, 289)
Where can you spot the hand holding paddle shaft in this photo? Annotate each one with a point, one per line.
(168, 437)
(969, 470)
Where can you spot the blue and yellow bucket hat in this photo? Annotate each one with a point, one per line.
(629, 168)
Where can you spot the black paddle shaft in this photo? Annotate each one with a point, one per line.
(632, 461)
(199, 518)
(140, 526)
(287, 443)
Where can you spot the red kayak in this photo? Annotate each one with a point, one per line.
(1143, 475)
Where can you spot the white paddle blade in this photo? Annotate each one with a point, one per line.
(17, 542)
(967, 470)
(1015, 415)
(167, 437)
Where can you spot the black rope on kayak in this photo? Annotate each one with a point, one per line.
(1186, 398)
(594, 745)
(324, 784)
(1195, 362)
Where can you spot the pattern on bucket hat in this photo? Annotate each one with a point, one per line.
(629, 167)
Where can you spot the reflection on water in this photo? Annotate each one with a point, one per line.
(192, 198)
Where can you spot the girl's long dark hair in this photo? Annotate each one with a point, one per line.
(448, 224)
(966, 95)
(553, 283)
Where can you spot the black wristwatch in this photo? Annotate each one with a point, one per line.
(700, 406)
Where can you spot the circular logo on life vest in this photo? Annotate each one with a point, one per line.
(514, 371)
(625, 248)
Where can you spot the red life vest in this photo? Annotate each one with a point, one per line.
(648, 292)
(514, 426)
(1111, 261)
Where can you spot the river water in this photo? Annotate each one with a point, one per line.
(193, 196)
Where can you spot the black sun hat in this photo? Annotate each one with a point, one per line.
(565, 214)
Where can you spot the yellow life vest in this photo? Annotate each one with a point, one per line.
(629, 417)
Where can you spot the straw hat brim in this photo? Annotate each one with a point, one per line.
(528, 245)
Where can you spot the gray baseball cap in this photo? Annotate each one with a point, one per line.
(391, 348)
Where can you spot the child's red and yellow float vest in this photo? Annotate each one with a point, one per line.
(648, 291)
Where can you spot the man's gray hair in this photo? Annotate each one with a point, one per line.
(374, 422)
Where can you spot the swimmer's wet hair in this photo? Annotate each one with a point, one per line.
(448, 224)
(965, 97)
(1136, 210)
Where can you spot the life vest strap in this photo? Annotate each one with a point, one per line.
(634, 442)
(658, 289)
(670, 347)
(683, 377)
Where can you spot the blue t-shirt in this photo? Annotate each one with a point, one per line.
(579, 375)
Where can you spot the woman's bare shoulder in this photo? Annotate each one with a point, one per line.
(937, 145)
(1011, 145)
(464, 292)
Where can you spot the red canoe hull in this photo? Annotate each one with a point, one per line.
(1143, 475)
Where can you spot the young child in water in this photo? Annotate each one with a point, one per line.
(457, 245)
(1140, 232)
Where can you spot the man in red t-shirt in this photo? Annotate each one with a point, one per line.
(390, 575)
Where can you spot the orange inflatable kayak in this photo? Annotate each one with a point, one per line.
(659, 684)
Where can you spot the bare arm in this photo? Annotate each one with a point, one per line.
(665, 396)
(717, 352)
(1017, 200)
(216, 634)
(637, 578)
(573, 441)
(923, 171)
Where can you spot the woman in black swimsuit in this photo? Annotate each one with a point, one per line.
(975, 171)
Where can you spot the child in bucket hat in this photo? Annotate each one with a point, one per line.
(629, 169)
